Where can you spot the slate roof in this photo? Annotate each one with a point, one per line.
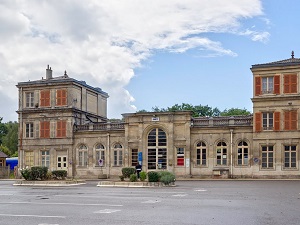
(286, 62)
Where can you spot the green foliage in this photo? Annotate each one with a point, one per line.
(143, 176)
(3, 130)
(59, 174)
(122, 178)
(5, 150)
(10, 140)
(235, 112)
(127, 171)
(166, 177)
(153, 176)
(26, 174)
(133, 178)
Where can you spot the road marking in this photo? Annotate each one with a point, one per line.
(180, 195)
(152, 201)
(108, 211)
(38, 216)
(47, 224)
(58, 203)
(201, 190)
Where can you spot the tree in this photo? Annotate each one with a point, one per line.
(235, 112)
(3, 130)
(10, 140)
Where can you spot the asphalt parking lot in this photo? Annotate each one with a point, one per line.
(190, 202)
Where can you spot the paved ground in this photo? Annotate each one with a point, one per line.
(190, 202)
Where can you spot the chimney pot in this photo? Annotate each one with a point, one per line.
(48, 73)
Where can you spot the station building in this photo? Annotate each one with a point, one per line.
(63, 124)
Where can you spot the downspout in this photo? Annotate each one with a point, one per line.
(21, 155)
(231, 158)
(108, 155)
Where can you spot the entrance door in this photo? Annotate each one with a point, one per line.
(62, 162)
(157, 149)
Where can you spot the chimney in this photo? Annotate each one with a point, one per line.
(48, 73)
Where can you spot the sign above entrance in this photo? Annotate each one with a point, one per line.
(155, 118)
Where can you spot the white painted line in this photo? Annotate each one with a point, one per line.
(180, 195)
(58, 203)
(201, 190)
(107, 211)
(38, 216)
(47, 224)
(152, 201)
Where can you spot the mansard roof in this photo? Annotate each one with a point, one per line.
(286, 62)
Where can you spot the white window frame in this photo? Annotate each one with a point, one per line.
(100, 153)
(201, 151)
(29, 99)
(29, 130)
(221, 154)
(267, 85)
(118, 154)
(243, 154)
(82, 156)
(45, 158)
(290, 157)
(267, 157)
(268, 120)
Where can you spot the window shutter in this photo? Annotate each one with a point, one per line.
(42, 97)
(294, 121)
(276, 121)
(47, 129)
(257, 86)
(63, 97)
(64, 128)
(58, 97)
(286, 120)
(277, 84)
(47, 98)
(258, 122)
(294, 83)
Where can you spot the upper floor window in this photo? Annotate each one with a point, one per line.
(45, 98)
(243, 153)
(267, 121)
(290, 120)
(221, 154)
(290, 83)
(45, 129)
(267, 85)
(29, 130)
(100, 155)
(61, 128)
(201, 153)
(29, 99)
(61, 97)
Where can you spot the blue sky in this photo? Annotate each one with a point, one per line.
(146, 53)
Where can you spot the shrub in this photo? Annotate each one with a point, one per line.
(143, 176)
(122, 178)
(167, 178)
(133, 178)
(153, 176)
(26, 173)
(59, 174)
(39, 172)
(127, 171)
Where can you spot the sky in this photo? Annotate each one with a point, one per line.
(143, 53)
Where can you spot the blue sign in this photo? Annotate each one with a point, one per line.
(140, 157)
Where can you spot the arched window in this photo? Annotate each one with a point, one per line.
(83, 155)
(157, 149)
(118, 154)
(242, 154)
(221, 154)
(201, 154)
(100, 154)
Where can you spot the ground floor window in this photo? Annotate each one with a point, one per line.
(134, 157)
(83, 156)
(29, 158)
(180, 156)
(221, 154)
(201, 154)
(45, 158)
(242, 154)
(267, 157)
(118, 155)
(290, 156)
(100, 155)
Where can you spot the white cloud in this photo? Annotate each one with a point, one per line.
(104, 41)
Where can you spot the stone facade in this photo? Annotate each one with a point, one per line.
(72, 132)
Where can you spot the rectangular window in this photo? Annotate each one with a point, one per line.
(180, 156)
(45, 98)
(29, 159)
(61, 97)
(83, 158)
(267, 121)
(29, 99)
(46, 158)
(45, 129)
(267, 157)
(290, 120)
(290, 157)
(290, 83)
(29, 130)
(267, 85)
(134, 157)
(221, 156)
(118, 158)
(61, 130)
(201, 156)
